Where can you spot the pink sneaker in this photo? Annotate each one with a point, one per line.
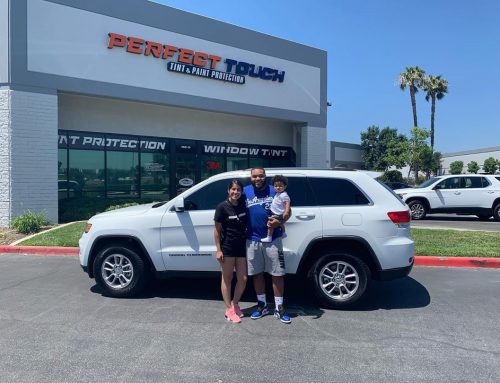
(237, 310)
(231, 316)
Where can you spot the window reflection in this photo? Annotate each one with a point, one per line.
(122, 168)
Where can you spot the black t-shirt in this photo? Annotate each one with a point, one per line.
(233, 220)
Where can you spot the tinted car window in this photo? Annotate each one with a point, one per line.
(208, 197)
(300, 192)
(485, 182)
(449, 183)
(336, 192)
(472, 182)
(298, 189)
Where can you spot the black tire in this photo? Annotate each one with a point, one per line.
(496, 213)
(329, 269)
(418, 209)
(484, 217)
(128, 276)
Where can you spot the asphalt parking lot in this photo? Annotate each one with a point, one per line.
(439, 324)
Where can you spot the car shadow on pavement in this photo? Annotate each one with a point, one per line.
(405, 293)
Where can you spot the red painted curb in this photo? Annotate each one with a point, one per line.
(457, 261)
(40, 250)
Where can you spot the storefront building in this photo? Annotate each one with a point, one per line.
(135, 100)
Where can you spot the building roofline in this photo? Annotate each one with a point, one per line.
(472, 151)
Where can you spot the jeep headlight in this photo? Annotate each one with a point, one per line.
(401, 195)
(88, 227)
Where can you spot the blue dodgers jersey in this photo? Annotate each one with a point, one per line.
(259, 210)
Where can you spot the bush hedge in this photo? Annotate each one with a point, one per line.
(30, 222)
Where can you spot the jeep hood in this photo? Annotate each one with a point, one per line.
(127, 211)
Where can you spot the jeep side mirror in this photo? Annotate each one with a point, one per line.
(179, 204)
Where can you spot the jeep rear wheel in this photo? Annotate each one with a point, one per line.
(119, 271)
(339, 280)
(418, 209)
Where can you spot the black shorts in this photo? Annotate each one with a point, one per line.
(235, 249)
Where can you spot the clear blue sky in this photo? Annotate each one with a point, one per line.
(370, 42)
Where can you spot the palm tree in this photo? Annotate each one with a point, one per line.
(436, 87)
(412, 78)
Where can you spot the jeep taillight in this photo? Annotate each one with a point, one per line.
(400, 217)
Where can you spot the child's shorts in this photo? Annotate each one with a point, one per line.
(278, 216)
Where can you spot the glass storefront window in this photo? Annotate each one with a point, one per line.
(185, 172)
(211, 165)
(237, 163)
(86, 173)
(264, 162)
(155, 176)
(122, 168)
(103, 166)
(62, 173)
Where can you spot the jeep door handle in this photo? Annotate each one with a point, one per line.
(491, 191)
(457, 193)
(305, 216)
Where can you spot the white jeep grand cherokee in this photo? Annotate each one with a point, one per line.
(461, 194)
(346, 228)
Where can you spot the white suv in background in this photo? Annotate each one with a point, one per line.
(346, 229)
(461, 194)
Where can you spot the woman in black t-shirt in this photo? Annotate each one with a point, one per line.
(230, 240)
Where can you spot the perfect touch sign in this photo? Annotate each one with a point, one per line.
(199, 64)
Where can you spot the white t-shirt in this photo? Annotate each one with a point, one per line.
(278, 204)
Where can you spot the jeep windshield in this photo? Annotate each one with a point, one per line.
(428, 182)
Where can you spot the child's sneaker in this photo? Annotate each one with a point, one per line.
(261, 311)
(267, 239)
(281, 314)
(231, 316)
(237, 310)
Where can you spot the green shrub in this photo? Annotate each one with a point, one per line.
(391, 176)
(456, 167)
(30, 222)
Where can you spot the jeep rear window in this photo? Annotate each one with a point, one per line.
(299, 191)
(336, 192)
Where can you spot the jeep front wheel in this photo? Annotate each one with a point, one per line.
(418, 209)
(496, 213)
(119, 271)
(339, 280)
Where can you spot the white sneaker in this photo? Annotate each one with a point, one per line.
(267, 239)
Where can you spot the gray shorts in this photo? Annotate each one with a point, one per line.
(266, 257)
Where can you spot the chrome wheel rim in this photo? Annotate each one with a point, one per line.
(339, 280)
(417, 210)
(117, 271)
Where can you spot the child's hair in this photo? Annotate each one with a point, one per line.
(279, 178)
(235, 182)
